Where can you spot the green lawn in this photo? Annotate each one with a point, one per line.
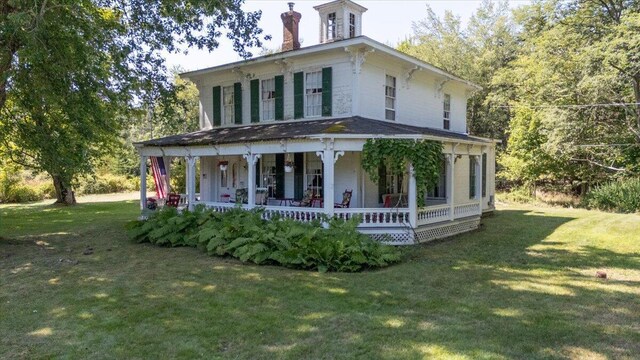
(523, 286)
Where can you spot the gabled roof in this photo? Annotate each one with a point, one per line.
(355, 41)
(349, 127)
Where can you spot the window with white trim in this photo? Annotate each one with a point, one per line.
(352, 25)
(439, 190)
(390, 98)
(313, 175)
(313, 94)
(227, 105)
(268, 176)
(446, 124)
(268, 99)
(331, 26)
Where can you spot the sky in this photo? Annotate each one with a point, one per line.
(386, 21)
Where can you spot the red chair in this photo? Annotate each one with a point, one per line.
(173, 200)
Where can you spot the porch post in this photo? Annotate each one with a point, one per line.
(451, 163)
(252, 159)
(143, 182)
(167, 167)
(413, 198)
(191, 181)
(479, 181)
(328, 181)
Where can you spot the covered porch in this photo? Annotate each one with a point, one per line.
(320, 175)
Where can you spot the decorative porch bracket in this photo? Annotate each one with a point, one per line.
(252, 160)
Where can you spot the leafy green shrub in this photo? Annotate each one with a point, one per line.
(104, 184)
(47, 190)
(520, 195)
(619, 196)
(22, 193)
(245, 235)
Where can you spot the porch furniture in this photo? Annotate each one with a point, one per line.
(317, 202)
(225, 198)
(261, 196)
(306, 200)
(285, 201)
(346, 200)
(242, 196)
(394, 200)
(173, 200)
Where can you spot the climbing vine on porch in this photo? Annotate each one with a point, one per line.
(396, 154)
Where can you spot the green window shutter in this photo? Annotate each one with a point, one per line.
(255, 100)
(382, 181)
(279, 83)
(298, 98)
(237, 102)
(298, 176)
(472, 178)
(326, 91)
(484, 175)
(280, 176)
(217, 110)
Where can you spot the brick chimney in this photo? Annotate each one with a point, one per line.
(290, 21)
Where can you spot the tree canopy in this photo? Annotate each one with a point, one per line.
(561, 84)
(71, 71)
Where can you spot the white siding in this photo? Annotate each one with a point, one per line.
(346, 177)
(418, 103)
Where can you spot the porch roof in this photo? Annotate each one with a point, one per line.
(354, 127)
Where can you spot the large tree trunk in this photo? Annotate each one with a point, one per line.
(64, 192)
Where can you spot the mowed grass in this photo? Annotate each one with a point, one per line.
(523, 286)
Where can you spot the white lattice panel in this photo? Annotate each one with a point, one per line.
(424, 234)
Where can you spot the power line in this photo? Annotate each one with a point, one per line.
(578, 106)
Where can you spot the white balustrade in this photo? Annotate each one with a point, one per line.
(433, 214)
(376, 217)
(465, 210)
(370, 217)
(303, 214)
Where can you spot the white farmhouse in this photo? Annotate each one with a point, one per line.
(286, 131)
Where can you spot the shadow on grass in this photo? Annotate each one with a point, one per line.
(513, 289)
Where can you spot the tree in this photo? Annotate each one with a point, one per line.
(475, 53)
(72, 71)
(575, 56)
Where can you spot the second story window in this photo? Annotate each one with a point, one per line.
(268, 99)
(352, 25)
(390, 98)
(331, 26)
(447, 112)
(227, 105)
(313, 94)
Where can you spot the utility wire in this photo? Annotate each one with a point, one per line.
(578, 106)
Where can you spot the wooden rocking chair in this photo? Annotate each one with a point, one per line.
(346, 200)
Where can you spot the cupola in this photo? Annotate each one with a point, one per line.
(340, 19)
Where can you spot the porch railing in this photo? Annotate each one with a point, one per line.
(370, 217)
(433, 214)
(465, 210)
(376, 217)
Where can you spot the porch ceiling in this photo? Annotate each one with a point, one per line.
(299, 129)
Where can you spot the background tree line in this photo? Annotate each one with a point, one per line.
(561, 86)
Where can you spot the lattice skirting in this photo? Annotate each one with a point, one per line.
(439, 231)
(397, 236)
(406, 236)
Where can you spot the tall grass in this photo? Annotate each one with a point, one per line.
(619, 196)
